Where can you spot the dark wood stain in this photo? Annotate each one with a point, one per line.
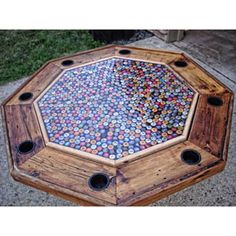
(208, 126)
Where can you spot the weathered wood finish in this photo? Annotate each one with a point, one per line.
(208, 126)
(134, 181)
(228, 129)
(52, 189)
(149, 55)
(38, 84)
(119, 162)
(197, 77)
(87, 56)
(177, 184)
(22, 125)
(154, 173)
(71, 173)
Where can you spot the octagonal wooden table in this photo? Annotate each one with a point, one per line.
(118, 125)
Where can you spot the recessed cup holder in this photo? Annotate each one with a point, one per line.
(181, 63)
(215, 101)
(191, 157)
(99, 181)
(67, 62)
(25, 96)
(124, 52)
(26, 147)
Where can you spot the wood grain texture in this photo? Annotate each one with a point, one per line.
(71, 173)
(146, 50)
(151, 175)
(133, 181)
(228, 129)
(192, 179)
(203, 82)
(36, 85)
(118, 162)
(161, 56)
(87, 56)
(57, 191)
(22, 125)
(209, 125)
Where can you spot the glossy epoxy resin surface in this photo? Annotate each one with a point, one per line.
(115, 107)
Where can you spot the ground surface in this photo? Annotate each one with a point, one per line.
(213, 50)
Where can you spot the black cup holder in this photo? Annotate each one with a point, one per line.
(124, 52)
(25, 96)
(26, 147)
(215, 101)
(181, 63)
(67, 63)
(191, 157)
(98, 181)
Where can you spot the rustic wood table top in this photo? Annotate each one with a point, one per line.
(118, 125)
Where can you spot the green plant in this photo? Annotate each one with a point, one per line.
(23, 52)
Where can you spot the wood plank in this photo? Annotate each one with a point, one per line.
(197, 77)
(206, 172)
(209, 125)
(23, 85)
(118, 162)
(70, 173)
(22, 125)
(86, 56)
(160, 56)
(141, 49)
(228, 129)
(50, 188)
(148, 176)
(36, 84)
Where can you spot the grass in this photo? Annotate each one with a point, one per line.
(23, 52)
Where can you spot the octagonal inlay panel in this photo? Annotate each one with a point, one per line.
(116, 107)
